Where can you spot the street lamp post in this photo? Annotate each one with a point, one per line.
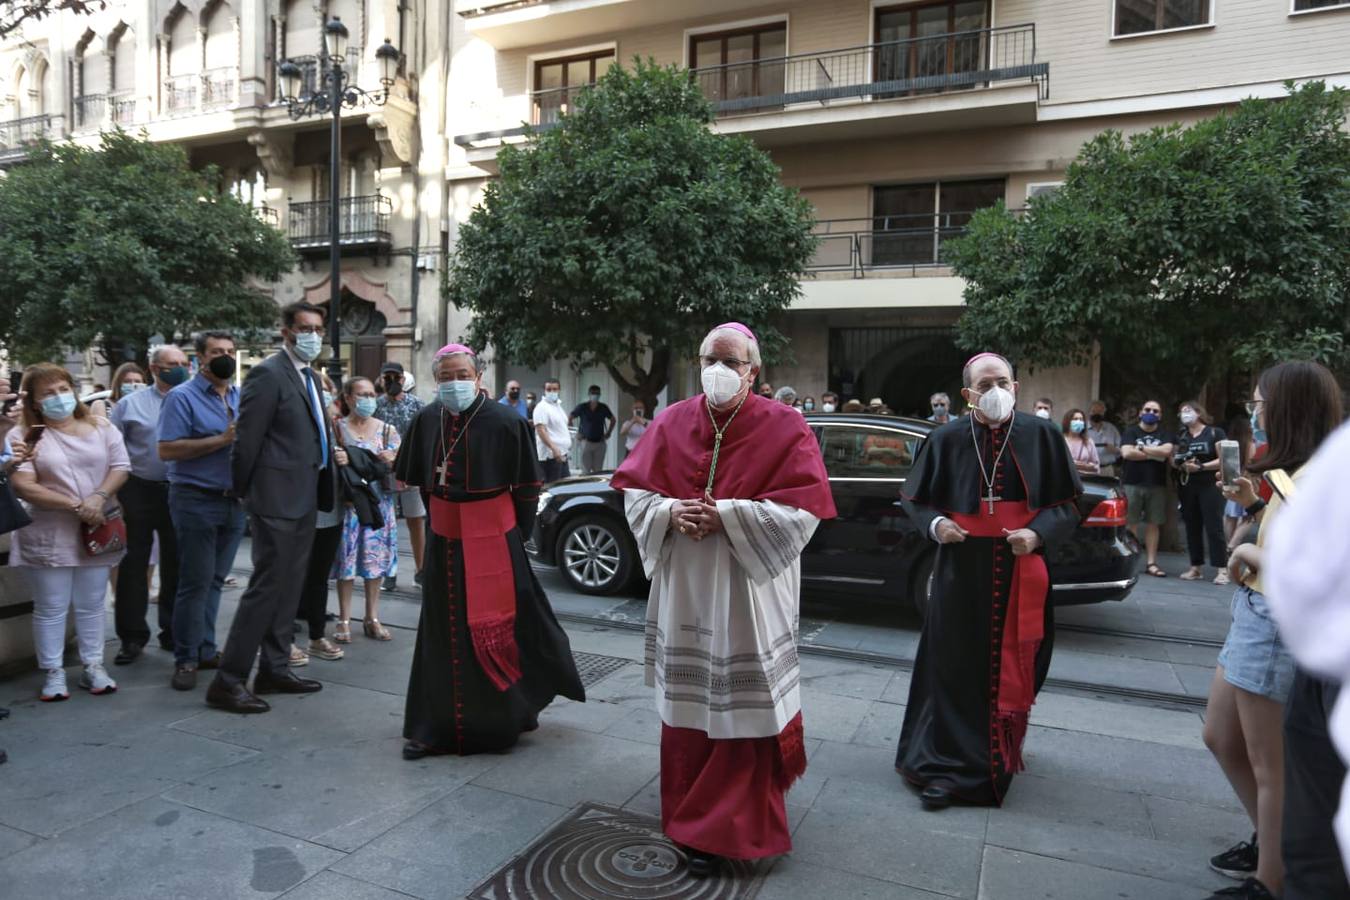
(331, 98)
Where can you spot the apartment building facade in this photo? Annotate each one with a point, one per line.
(203, 74)
(897, 120)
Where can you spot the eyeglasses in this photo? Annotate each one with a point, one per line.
(309, 329)
(729, 362)
(1252, 406)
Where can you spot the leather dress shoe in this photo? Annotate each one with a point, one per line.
(233, 699)
(701, 865)
(413, 751)
(211, 662)
(184, 678)
(935, 797)
(128, 653)
(284, 683)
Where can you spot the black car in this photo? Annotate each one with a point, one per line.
(871, 551)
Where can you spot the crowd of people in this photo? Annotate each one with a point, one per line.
(722, 492)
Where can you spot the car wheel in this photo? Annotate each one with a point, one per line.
(596, 554)
(921, 583)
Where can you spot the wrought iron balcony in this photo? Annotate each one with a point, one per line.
(89, 111)
(16, 134)
(220, 87)
(860, 246)
(180, 94)
(939, 63)
(123, 107)
(363, 225)
(268, 216)
(313, 69)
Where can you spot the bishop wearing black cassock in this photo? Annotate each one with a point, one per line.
(993, 489)
(490, 653)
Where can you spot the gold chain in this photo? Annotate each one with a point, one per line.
(717, 438)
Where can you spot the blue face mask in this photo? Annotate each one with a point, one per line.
(58, 407)
(456, 396)
(174, 375)
(365, 406)
(131, 387)
(307, 346)
(327, 399)
(1150, 418)
(1077, 426)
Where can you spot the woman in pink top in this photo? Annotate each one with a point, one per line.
(1081, 447)
(77, 466)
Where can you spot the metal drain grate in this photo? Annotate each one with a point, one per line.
(592, 667)
(599, 852)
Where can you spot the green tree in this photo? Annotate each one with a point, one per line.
(109, 246)
(620, 236)
(1186, 253)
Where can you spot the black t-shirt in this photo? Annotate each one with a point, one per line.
(592, 424)
(1202, 449)
(1149, 472)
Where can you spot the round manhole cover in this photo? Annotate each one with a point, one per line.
(644, 860)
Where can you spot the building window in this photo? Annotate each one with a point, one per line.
(1309, 5)
(742, 63)
(911, 222)
(1144, 16)
(931, 40)
(557, 82)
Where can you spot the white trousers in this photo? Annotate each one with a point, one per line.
(55, 590)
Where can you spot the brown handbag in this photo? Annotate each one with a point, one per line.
(110, 537)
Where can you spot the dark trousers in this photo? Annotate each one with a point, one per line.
(314, 595)
(1313, 774)
(209, 527)
(554, 469)
(1202, 511)
(145, 509)
(266, 616)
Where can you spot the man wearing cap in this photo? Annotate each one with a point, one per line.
(490, 653)
(722, 494)
(992, 489)
(398, 407)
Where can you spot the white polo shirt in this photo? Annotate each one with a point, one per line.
(554, 420)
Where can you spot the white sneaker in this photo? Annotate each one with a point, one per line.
(54, 688)
(95, 680)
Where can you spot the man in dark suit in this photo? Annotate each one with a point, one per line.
(282, 465)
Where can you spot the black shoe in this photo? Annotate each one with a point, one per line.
(211, 662)
(235, 699)
(284, 683)
(184, 678)
(413, 750)
(1251, 889)
(1238, 861)
(417, 579)
(701, 864)
(390, 583)
(935, 797)
(128, 653)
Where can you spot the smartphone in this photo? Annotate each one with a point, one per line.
(15, 382)
(1230, 461)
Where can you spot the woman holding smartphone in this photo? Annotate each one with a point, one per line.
(1196, 457)
(1298, 404)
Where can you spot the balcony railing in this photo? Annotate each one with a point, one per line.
(123, 108)
(268, 216)
(19, 133)
(926, 65)
(220, 87)
(180, 94)
(314, 68)
(363, 223)
(89, 111)
(549, 105)
(859, 246)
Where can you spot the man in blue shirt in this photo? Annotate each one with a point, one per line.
(513, 399)
(196, 429)
(596, 423)
(145, 508)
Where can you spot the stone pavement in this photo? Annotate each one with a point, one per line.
(147, 793)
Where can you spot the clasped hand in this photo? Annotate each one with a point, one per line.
(90, 510)
(1022, 540)
(696, 519)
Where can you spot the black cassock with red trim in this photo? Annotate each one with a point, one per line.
(988, 634)
(467, 692)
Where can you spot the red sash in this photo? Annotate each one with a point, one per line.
(490, 588)
(1023, 625)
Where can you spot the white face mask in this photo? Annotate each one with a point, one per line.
(827, 407)
(997, 404)
(1188, 417)
(1042, 413)
(721, 384)
(551, 396)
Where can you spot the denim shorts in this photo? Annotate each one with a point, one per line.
(1253, 657)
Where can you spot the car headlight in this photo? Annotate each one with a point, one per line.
(544, 499)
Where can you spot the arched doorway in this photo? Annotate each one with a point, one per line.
(902, 366)
(362, 336)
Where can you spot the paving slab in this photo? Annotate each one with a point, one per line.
(832, 716)
(12, 840)
(792, 878)
(829, 676)
(581, 766)
(1212, 828)
(881, 727)
(332, 886)
(162, 849)
(1013, 875)
(1127, 720)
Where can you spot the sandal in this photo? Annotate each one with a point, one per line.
(1222, 578)
(342, 632)
(1155, 571)
(298, 657)
(374, 629)
(1191, 574)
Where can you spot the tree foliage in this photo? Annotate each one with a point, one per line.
(631, 227)
(115, 244)
(14, 13)
(1186, 253)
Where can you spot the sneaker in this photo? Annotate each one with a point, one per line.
(1251, 889)
(95, 680)
(417, 579)
(1238, 861)
(298, 658)
(323, 648)
(54, 688)
(184, 678)
(390, 583)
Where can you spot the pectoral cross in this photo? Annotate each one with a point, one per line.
(990, 499)
(443, 473)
